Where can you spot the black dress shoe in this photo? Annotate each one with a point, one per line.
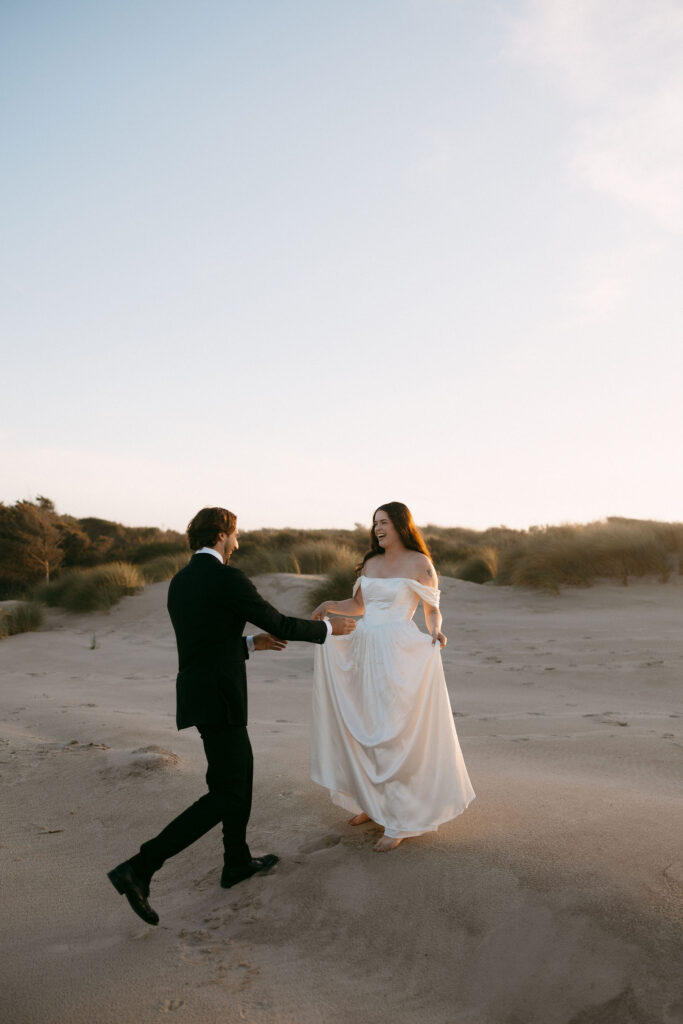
(135, 889)
(231, 876)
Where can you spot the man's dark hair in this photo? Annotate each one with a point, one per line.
(203, 530)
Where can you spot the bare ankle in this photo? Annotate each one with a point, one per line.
(385, 844)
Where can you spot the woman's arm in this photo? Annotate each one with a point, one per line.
(427, 575)
(353, 606)
(433, 620)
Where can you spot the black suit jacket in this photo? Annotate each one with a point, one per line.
(209, 604)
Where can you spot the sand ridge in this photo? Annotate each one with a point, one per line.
(555, 898)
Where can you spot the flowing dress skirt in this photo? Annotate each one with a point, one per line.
(383, 739)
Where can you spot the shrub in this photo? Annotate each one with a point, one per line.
(569, 555)
(96, 589)
(155, 550)
(480, 567)
(255, 562)
(337, 586)
(318, 556)
(163, 567)
(444, 550)
(23, 617)
(53, 592)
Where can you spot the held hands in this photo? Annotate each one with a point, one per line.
(266, 642)
(437, 635)
(341, 625)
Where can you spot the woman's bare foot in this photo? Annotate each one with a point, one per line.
(359, 819)
(385, 844)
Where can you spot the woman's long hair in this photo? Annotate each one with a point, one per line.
(404, 525)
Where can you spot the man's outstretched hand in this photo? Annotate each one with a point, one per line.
(341, 625)
(267, 642)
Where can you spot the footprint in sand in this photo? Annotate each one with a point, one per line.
(675, 872)
(140, 761)
(606, 719)
(321, 843)
(169, 1005)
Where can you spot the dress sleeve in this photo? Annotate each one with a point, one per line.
(430, 595)
(355, 587)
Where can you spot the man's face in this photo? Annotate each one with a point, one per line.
(229, 544)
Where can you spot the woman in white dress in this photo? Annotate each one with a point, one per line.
(383, 739)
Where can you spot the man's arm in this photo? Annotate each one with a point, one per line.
(245, 598)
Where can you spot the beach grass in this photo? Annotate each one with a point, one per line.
(480, 566)
(336, 586)
(21, 617)
(89, 590)
(318, 556)
(544, 558)
(578, 555)
(255, 562)
(163, 567)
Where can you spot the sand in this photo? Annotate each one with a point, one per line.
(554, 899)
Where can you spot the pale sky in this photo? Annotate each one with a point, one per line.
(302, 258)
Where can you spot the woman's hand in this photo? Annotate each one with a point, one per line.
(321, 611)
(438, 635)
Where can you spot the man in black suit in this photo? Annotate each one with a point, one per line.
(209, 603)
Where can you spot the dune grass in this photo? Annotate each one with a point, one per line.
(543, 558)
(574, 555)
(96, 589)
(337, 586)
(480, 566)
(284, 551)
(22, 617)
(163, 567)
(255, 562)
(154, 550)
(318, 556)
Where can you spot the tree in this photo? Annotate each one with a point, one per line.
(30, 541)
(75, 543)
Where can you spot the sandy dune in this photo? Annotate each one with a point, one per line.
(555, 898)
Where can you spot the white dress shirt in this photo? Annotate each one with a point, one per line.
(250, 639)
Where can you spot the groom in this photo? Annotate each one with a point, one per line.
(209, 603)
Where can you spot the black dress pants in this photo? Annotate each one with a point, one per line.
(229, 778)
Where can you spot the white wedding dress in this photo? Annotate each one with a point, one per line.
(383, 739)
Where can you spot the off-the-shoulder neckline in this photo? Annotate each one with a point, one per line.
(410, 578)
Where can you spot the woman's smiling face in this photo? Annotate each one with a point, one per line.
(385, 531)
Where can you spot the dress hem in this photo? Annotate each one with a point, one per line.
(349, 804)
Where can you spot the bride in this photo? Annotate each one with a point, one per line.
(383, 740)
